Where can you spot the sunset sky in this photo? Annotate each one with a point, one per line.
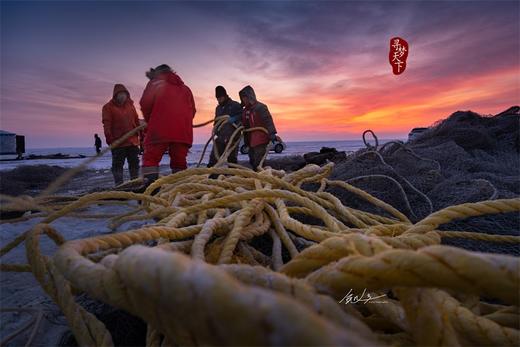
(321, 67)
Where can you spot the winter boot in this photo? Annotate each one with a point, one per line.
(148, 180)
(118, 176)
(150, 175)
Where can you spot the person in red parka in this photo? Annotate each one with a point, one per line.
(119, 117)
(168, 108)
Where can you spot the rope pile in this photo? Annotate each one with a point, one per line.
(199, 275)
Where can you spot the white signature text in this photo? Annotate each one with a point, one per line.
(365, 298)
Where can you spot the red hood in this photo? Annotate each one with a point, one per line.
(170, 77)
(120, 88)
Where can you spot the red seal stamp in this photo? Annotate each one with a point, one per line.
(398, 54)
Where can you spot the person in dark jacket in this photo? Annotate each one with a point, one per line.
(119, 117)
(256, 114)
(97, 143)
(226, 106)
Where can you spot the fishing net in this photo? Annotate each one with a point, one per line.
(464, 158)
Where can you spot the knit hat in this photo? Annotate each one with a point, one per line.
(220, 92)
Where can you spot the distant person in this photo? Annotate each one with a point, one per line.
(226, 106)
(97, 143)
(256, 114)
(168, 108)
(120, 117)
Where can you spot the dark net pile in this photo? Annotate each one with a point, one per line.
(464, 158)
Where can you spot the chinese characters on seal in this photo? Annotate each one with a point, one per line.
(398, 54)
